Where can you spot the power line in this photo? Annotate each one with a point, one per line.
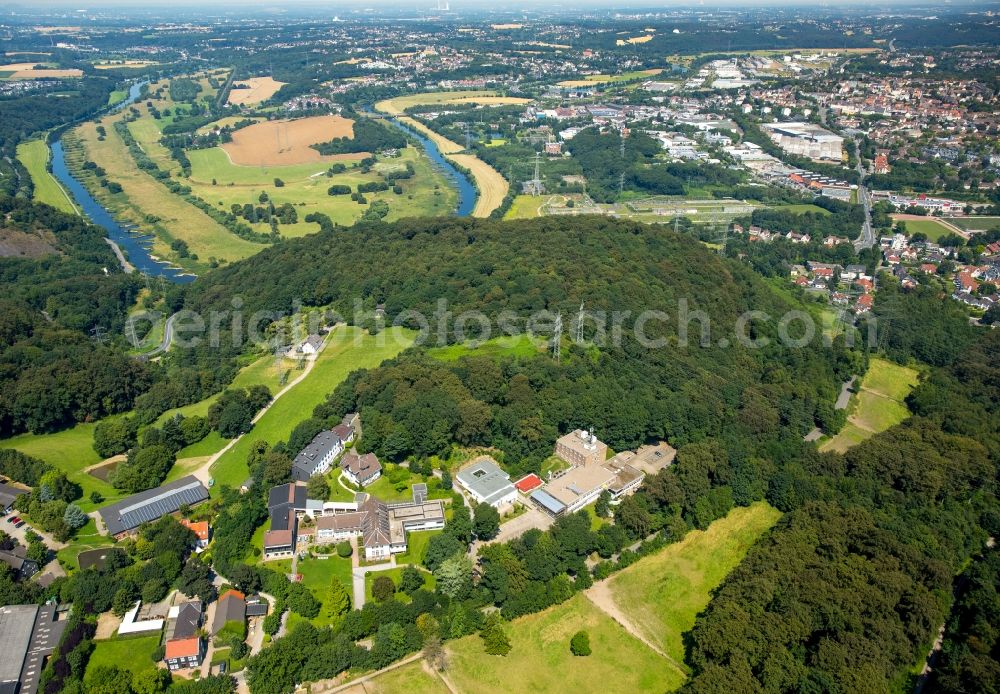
(557, 339)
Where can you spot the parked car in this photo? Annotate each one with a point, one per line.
(18, 524)
(13, 519)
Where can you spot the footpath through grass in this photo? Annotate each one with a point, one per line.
(878, 405)
(348, 349)
(663, 593)
(540, 659)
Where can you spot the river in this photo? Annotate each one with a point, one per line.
(466, 191)
(136, 246)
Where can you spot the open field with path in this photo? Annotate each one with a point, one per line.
(35, 157)
(540, 659)
(662, 594)
(28, 71)
(878, 404)
(348, 349)
(254, 90)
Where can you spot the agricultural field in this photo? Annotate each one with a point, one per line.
(593, 80)
(253, 90)
(31, 71)
(305, 187)
(878, 405)
(663, 593)
(397, 105)
(287, 142)
(348, 349)
(35, 157)
(123, 64)
(540, 659)
(144, 199)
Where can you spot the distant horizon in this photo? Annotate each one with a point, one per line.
(459, 6)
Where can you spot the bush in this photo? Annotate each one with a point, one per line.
(579, 645)
(344, 549)
(338, 189)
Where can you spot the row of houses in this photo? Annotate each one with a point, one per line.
(298, 521)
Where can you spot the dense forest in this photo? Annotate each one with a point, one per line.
(65, 292)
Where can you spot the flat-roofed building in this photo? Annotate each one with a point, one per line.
(28, 635)
(486, 483)
(806, 139)
(581, 448)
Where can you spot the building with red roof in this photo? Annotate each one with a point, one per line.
(528, 483)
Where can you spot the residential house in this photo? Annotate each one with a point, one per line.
(201, 531)
(362, 470)
(19, 562)
(231, 607)
(311, 345)
(256, 606)
(184, 647)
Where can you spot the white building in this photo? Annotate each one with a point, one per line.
(486, 483)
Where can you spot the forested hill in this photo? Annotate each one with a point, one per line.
(55, 292)
(631, 393)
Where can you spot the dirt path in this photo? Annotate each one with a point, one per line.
(203, 473)
(600, 594)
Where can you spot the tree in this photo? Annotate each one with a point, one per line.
(345, 549)
(151, 681)
(486, 523)
(74, 517)
(446, 482)
(439, 548)
(454, 577)
(337, 602)
(495, 641)
(411, 579)
(109, 679)
(579, 645)
(430, 631)
(383, 588)
(318, 488)
(196, 580)
(603, 505)
(114, 436)
(460, 524)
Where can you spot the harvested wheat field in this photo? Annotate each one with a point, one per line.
(253, 90)
(286, 142)
(27, 71)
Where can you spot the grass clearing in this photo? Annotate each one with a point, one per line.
(801, 209)
(541, 661)
(134, 654)
(975, 223)
(878, 404)
(35, 157)
(397, 105)
(318, 575)
(413, 678)
(498, 347)
(349, 348)
(662, 594)
(526, 207)
(397, 576)
(930, 226)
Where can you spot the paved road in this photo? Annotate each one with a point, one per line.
(867, 237)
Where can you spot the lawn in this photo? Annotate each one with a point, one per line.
(505, 346)
(318, 575)
(396, 576)
(878, 405)
(416, 546)
(412, 679)
(86, 538)
(133, 653)
(801, 209)
(348, 349)
(663, 593)
(930, 226)
(540, 659)
(35, 157)
(70, 450)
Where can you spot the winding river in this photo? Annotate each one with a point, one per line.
(137, 247)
